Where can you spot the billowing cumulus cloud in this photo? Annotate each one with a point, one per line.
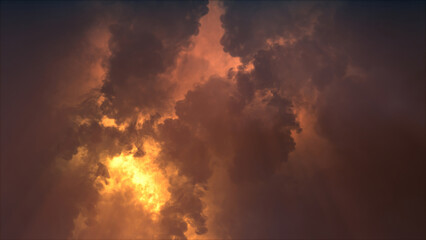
(358, 70)
(145, 42)
(220, 120)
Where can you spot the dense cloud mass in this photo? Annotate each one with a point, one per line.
(365, 62)
(147, 120)
(150, 35)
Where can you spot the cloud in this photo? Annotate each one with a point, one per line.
(145, 43)
(130, 120)
(56, 98)
(357, 70)
(38, 41)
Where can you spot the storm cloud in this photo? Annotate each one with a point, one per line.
(176, 120)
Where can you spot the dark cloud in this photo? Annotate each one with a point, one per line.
(365, 61)
(249, 25)
(214, 123)
(255, 135)
(145, 43)
(383, 113)
(37, 39)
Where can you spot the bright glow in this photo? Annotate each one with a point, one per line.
(139, 176)
(110, 122)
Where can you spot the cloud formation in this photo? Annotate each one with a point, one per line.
(358, 68)
(167, 120)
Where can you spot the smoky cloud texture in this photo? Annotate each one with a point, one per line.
(363, 64)
(150, 35)
(318, 132)
(39, 137)
(32, 63)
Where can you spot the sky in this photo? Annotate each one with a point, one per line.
(212, 120)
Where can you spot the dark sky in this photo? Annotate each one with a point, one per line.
(238, 119)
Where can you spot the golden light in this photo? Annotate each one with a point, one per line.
(139, 176)
(110, 122)
(132, 191)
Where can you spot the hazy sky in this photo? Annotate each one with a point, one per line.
(220, 120)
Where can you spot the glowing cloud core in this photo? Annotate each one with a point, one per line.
(139, 176)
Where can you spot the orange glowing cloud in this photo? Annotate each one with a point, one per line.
(205, 57)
